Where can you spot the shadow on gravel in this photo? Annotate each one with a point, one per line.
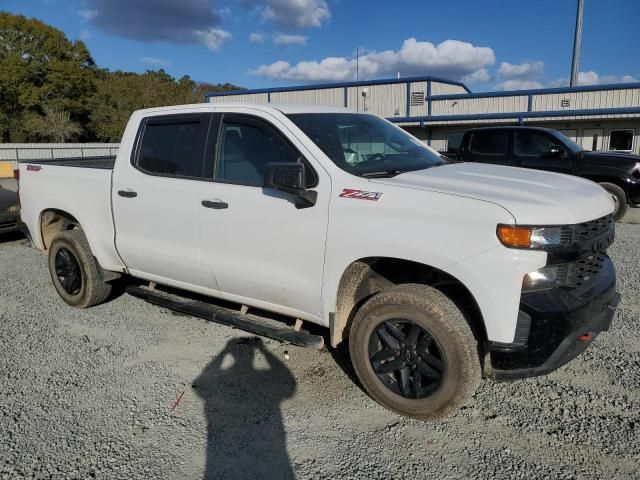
(242, 389)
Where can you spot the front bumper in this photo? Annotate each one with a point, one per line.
(555, 326)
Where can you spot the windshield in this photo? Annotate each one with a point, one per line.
(570, 144)
(366, 145)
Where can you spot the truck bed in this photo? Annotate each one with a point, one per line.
(101, 162)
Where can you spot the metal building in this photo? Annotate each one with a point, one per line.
(438, 111)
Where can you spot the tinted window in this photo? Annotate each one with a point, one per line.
(533, 144)
(247, 145)
(174, 145)
(488, 143)
(621, 139)
(453, 142)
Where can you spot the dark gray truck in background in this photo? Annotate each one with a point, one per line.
(547, 149)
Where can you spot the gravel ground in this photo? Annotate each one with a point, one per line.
(128, 390)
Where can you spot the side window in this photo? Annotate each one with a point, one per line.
(528, 144)
(173, 145)
(488, 143)
(247, 145)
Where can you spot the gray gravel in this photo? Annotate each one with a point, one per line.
(129, 390)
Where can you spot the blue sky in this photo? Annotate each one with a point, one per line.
(488, 44)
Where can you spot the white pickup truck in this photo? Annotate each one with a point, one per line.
(437, 273)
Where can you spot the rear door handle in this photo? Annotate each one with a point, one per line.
(127, 193)
(215, 204)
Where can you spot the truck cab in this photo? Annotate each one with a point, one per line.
(547, 149)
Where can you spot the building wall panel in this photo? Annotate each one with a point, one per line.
(587, 100)
(470, 106)
(438, 88)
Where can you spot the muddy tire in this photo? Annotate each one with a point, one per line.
(75, 273)
(414, 352)
(619, 198)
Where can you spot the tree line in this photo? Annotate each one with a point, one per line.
(51, 89)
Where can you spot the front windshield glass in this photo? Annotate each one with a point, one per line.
(570, 144)
(366, 145)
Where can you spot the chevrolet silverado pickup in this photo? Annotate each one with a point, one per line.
(265, 217)
(546, 149)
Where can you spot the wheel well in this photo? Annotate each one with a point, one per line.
(53, 222)
(368, 276)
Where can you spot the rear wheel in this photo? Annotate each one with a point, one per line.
(75, 273)
(619, 199)
(414, 352)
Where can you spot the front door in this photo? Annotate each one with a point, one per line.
(254, 243)
(155, 197)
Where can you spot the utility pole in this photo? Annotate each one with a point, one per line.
(577, 43)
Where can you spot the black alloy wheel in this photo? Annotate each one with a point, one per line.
(406, 358)
(68, 271)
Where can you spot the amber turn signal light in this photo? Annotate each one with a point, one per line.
(514, 236)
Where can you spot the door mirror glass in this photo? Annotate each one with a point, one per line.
(285, 176)
(555, 151)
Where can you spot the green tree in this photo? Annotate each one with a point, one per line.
(55, 125)
(39, 65)
(118, 94)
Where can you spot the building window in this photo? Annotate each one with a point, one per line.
(621, 139)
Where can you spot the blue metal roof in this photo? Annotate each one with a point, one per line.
(361, 83)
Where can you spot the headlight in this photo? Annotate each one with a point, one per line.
(515, 236)
(542, 279)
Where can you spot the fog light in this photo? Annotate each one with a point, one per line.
(13, 209)
(542, 279)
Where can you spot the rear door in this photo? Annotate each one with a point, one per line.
(488, 146)
(155, 197)
(254, 243)
(538, 149)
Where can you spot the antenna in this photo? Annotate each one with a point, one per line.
(357, 63)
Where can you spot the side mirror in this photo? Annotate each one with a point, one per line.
(555, 152)
(290, 178)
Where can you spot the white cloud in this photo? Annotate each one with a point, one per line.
(479, 76)
(87, 13)
(451, 59)
(257, 38)
(155, 62)
(516, 84)
(281, 39)
(85, 35)
(521, 71)
(212, 38)
(593, 78)
(292, 13)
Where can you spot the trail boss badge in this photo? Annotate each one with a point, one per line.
(360, 194)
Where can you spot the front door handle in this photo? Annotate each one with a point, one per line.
(127, 193)
(215, 204)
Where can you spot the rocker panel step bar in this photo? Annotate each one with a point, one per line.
(224, 316)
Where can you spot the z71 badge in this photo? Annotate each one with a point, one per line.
(360, 194)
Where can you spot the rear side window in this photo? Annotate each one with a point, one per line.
(173, 145)
(247, 145)
(488, 143)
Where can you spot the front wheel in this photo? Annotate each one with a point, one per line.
(414, 352)
(619, 200)
(75, 273)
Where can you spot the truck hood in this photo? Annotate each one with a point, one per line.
(533, 197)
(611, 158)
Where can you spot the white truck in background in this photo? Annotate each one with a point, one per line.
(437, 273)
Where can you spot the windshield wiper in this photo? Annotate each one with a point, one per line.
(383, 173)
